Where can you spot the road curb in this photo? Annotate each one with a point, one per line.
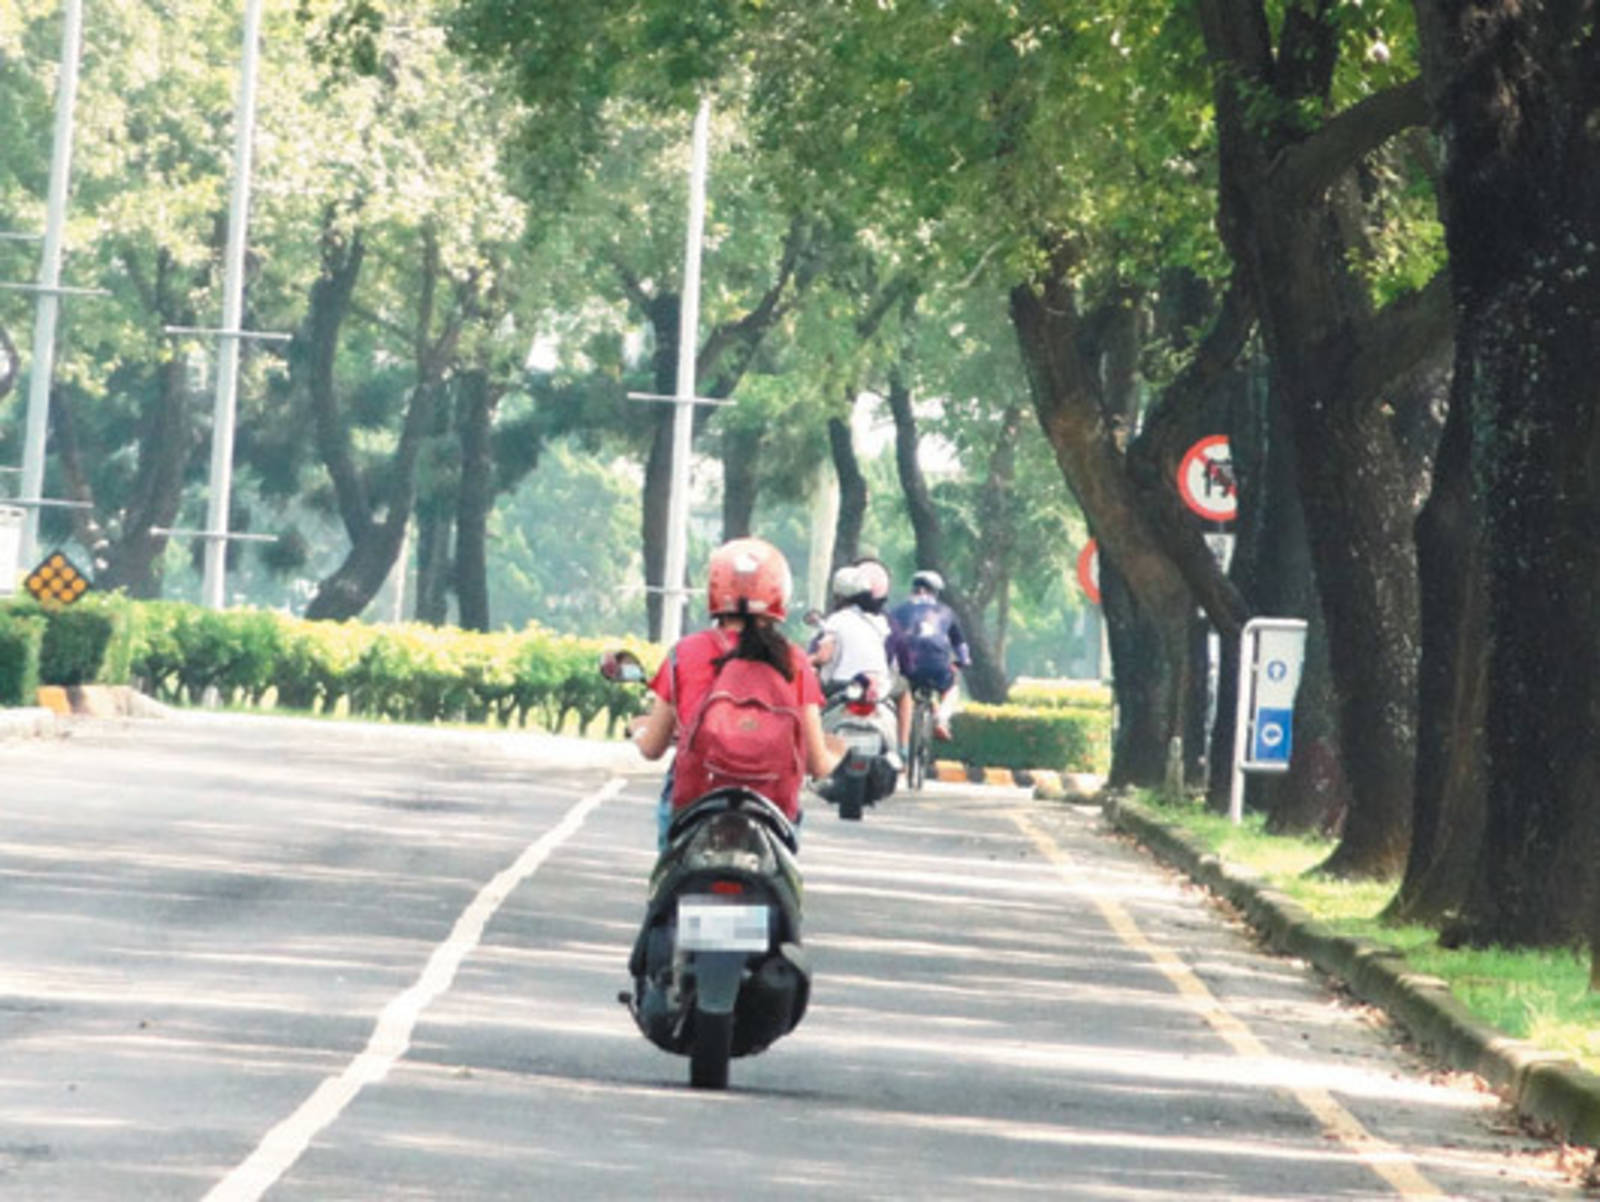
(1543, 1086)
(29, 722)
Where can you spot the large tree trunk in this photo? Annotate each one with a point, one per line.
(985, 676)
(1332, 362)
(1066, 399)
(1448, 816)
(439, 482)
(852, 492)
(376, 526)
(476, 399)
(741, 455)
(1514, 88)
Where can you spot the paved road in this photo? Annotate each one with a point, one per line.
(249, 958)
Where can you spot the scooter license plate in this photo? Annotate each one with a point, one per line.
(715, 926)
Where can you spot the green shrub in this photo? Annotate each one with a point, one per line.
(1013, 736)
(75, 642)
(21, 639)
(1060, 694)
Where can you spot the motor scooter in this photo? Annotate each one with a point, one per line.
(865, 722)
(718, 969)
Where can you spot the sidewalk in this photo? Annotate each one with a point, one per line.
(1543, 1086)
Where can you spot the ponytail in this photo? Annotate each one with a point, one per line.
(762, 641)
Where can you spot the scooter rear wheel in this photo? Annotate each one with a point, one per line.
(711, 1050)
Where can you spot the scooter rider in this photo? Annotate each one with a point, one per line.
(853, 640)
(927, 646)
(748, 584)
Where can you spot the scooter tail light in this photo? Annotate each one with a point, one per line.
(727, 888)
(861, 707)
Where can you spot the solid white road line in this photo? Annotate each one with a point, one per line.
(277, 1152)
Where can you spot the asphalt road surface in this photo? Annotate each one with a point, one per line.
(262, 958)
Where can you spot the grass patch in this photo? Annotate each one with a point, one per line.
(1540, 996)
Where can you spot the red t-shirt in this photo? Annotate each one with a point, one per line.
(694, 657)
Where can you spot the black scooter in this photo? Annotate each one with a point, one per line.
(718, 970)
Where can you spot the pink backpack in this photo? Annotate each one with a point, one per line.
(746, 732)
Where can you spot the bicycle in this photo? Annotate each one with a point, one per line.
(919, 753)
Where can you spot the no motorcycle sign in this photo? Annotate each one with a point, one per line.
(1205, 479)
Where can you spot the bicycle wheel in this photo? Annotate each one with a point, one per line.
(920, 754)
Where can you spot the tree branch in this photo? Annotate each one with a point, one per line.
(1308, 167)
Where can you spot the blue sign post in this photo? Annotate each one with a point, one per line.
(1271, 651)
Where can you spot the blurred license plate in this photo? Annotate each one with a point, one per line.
(707, 926)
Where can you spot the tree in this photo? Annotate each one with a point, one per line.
(1512, 659)
(1287, 149)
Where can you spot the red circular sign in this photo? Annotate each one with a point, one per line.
(1205, 480)
(1089, 571)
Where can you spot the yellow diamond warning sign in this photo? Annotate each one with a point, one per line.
(56, 581)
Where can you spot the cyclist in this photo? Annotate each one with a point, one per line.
(927, 646)
(747, 585)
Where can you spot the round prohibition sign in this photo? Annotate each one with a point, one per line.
(1205, 479)
(1089, 571)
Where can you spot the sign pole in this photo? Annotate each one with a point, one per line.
(42, 369)
(1271, 654)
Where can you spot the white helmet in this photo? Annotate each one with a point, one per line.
(929, 579)
(848, 582)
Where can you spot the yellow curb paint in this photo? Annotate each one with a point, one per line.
(998, 776)
(54, 698)
(950, 772)
(1393, 1164)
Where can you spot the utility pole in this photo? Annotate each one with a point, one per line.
(673, 592)
(42, 369)
(230, 334)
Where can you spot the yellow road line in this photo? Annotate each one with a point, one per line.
(1383, 1158)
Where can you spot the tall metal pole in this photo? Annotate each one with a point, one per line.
(44, 327)
(683, 413)
(222, 423)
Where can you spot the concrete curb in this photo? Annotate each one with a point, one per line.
(1544, 1086)
(26, 723)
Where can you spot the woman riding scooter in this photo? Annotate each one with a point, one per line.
(748, 585)
(852, 644)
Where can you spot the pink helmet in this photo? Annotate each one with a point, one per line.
(748, 575)
(874, 578)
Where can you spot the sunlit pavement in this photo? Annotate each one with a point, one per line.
(304, 960)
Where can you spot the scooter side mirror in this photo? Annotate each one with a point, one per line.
(622, 667)
(813, 617)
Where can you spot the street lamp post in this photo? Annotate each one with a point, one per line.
(673, 591)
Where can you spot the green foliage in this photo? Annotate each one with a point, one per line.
(76, 637)
(408, 673)
(21, 638)
(1013, 736)
(1061, 694)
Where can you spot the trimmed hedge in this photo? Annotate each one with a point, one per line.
(1022, 737)
(179, 652)
(21, 640)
